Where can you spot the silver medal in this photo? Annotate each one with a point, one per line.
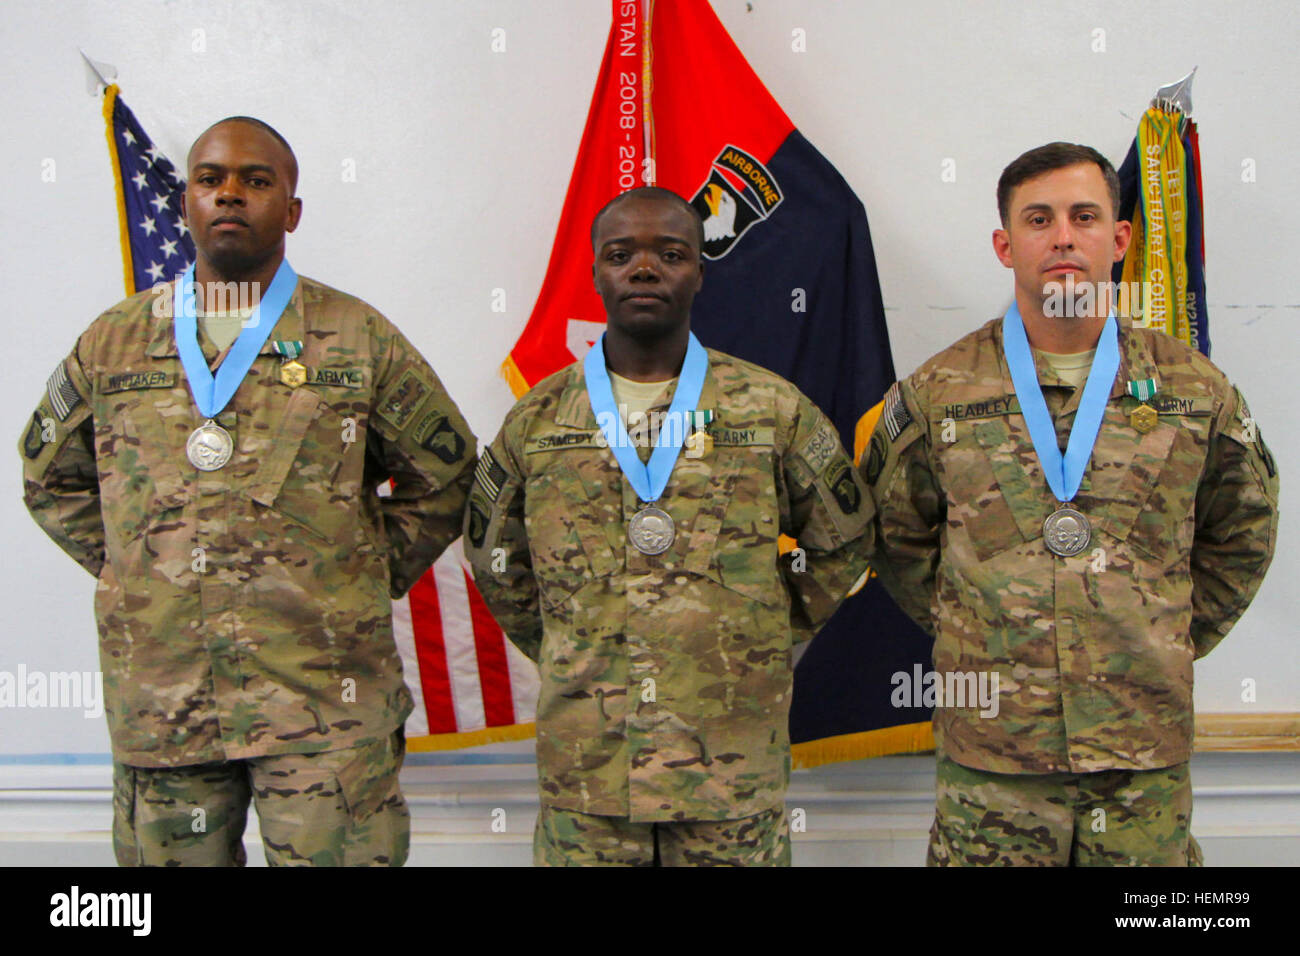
(1066, 532)
(651, 530)
(210, 446)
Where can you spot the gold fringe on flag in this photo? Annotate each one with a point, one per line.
(905, 738)
(471, 738)
(128, 272)
(514, 378)
(866, 425)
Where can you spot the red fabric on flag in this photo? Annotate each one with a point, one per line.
(610, 160)
(426, 621)
(493, 671)
(706, 96)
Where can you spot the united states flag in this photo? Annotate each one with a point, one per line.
(470, 684)
(156, 244)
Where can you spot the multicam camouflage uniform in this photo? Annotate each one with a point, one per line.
(666, 680)
(244, 613)
(1093, 653)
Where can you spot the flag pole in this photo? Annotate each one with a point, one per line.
(95, 69)
(1176, 97)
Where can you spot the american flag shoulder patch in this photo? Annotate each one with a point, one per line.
(897, 417)
(63, 394)
(489, 475)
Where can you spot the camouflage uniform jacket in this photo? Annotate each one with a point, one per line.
(666, 680)
(1093, 653)
(245, 611)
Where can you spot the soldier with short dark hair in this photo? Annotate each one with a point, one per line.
(217, 469)
(646, 580)
(1076, 508)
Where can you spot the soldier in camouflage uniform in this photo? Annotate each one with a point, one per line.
(244, 612)
(665, 678)
(1085, 759)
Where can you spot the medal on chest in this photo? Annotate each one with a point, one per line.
(210, 446)
(292, 372)
(699, 443)
(1144, 417)
(650, 530)
(1066, 531)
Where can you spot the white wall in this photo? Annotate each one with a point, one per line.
(463, 156)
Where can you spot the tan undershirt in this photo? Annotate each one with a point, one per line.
(1072, 369)
(224, 327)
(633, 400)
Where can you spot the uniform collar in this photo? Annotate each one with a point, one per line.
(1135, 363)
(289, 327)
(574, 407)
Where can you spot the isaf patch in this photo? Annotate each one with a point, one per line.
(489, 476)
(896, 415)
(819, 449)
(63, 394)
(839, 479)
(435, 433)
(401, 403)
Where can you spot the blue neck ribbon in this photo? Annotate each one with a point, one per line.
(211, 394)
(1064, 474)
(650, 479)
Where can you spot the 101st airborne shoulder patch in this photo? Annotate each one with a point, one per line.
(39, 433)
(839, 479)
(875, 458)
(402, 401)
(435, 433)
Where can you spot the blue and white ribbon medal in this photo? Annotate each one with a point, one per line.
(210, 446)
(1066, 531)
(651, 529)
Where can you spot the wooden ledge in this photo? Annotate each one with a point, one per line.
(1262, 732)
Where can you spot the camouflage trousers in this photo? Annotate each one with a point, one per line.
(336, 808)
(566, 838)
(1107, 818)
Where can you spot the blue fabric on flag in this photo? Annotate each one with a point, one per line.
(160, 244)
(814, 253)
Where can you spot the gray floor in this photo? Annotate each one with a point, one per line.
(477, 809)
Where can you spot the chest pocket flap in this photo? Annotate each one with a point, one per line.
(296, 478)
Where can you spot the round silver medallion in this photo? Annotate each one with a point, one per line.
(210, 446)
(1066, 532)
(651, 530)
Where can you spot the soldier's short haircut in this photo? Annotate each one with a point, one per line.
(656, 193)
(265, 127)
(1045, 159)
